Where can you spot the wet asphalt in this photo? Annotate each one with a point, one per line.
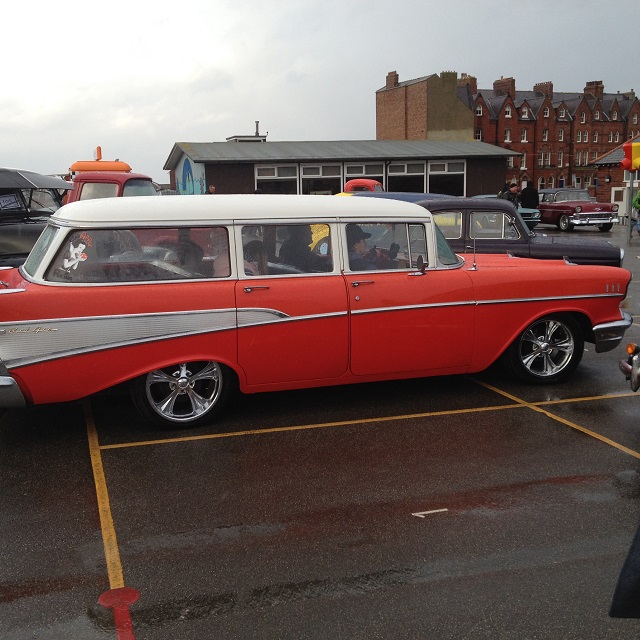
(463, 507)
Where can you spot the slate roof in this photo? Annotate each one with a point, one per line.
(614, 157)
(328, 151)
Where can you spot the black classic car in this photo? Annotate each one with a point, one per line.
(27, 199)
(492, 225)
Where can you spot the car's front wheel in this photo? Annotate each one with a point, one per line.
(564, 224)
(184, 395)
(547, 351)
(605, 227)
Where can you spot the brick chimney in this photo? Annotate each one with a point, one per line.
(505, 86)
(544, 88)
(596, 88)
(468, 81)
(392, 79)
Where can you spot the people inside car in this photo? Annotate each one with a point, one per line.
(296, 250)
(358, 248)
(255, 259)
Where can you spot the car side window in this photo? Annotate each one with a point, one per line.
(141, 254)
(492, 225)
(450, 223)
(286, 249)
(385, 245)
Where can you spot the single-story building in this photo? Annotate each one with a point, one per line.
(249, 164)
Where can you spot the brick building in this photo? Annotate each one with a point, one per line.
(558, 135)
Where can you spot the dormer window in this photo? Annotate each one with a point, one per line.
(563, 113)
(635, 118)
(479, 110)
(583, 117)
(525, 112)
(614, 115)
(545, 113)
(596, 115)
(507, 112)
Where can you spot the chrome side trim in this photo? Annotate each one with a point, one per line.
(10, 395)
(608, 335)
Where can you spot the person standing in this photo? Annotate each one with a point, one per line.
(529, 197)
(512, 194)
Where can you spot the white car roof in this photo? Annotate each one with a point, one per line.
(199, 209)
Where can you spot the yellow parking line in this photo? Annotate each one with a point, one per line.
(109, 540)
(537, 407)
(322, 425)
(519, 403)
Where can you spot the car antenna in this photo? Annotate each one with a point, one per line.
(473, 267)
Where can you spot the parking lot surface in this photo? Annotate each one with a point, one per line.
(462, 507)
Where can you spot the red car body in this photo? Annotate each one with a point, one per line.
(568, 208)
(75, 322)
(90, 185)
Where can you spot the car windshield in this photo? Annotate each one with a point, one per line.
(138, 188)
(41, 200)
(11, 202)
(564, 196)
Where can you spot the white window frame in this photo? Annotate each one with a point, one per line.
(479, 133)
(507, 111)
(596, 115)
(578, 136)
(595, 136)
(507, 135)
(614, 115)
(583, 118)
(545, 135)
(563, 113)
(560, 135)
(479, 110)
(546, 112)
(523, 161)
(585, 137)
(560, 159)
(525, 112)
(523, 135)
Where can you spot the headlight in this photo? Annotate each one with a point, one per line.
(614, 208)
(536, 215)
(578, 209)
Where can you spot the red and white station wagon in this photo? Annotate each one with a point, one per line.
(188, 297)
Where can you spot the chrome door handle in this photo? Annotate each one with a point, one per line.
(357, 283)
(250, 289)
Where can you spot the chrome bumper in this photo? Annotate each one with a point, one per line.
(595, 219)
(10, 395)
(609, 334)
(631, 371)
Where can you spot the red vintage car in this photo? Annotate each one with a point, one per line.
(187, 298)
(569, 208)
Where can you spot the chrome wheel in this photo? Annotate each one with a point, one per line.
(182, 395)
(547, 351)
(564, 224)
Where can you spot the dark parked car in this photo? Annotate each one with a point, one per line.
(492, 225)
(27, 199)
(568, 208)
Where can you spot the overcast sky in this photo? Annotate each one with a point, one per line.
(136, 76)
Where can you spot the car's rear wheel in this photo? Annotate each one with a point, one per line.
(564, 223)
(547, 351)
(187, 394)
(605, 227)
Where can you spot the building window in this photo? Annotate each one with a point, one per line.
(560, 135)
(635, 118)
(595, 136)
(540, 183)
(510, 162)
(550, 184)
(579, 136)
(610, 136)
(583, 117)
(545, 135)
(545, 113)
(560, 159)
(547, 158)
(563, 113)
(277, 178)
(523, 135)
(507, 111)
(321, 179)
(540, 159)
(596, 115)
(617, 136)
(614, 115)
(578, 157)
(525, 112)
(478, 134)
(594, 156)
(585, 138)
(523, 161)
(478, 109)
(507, 135)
